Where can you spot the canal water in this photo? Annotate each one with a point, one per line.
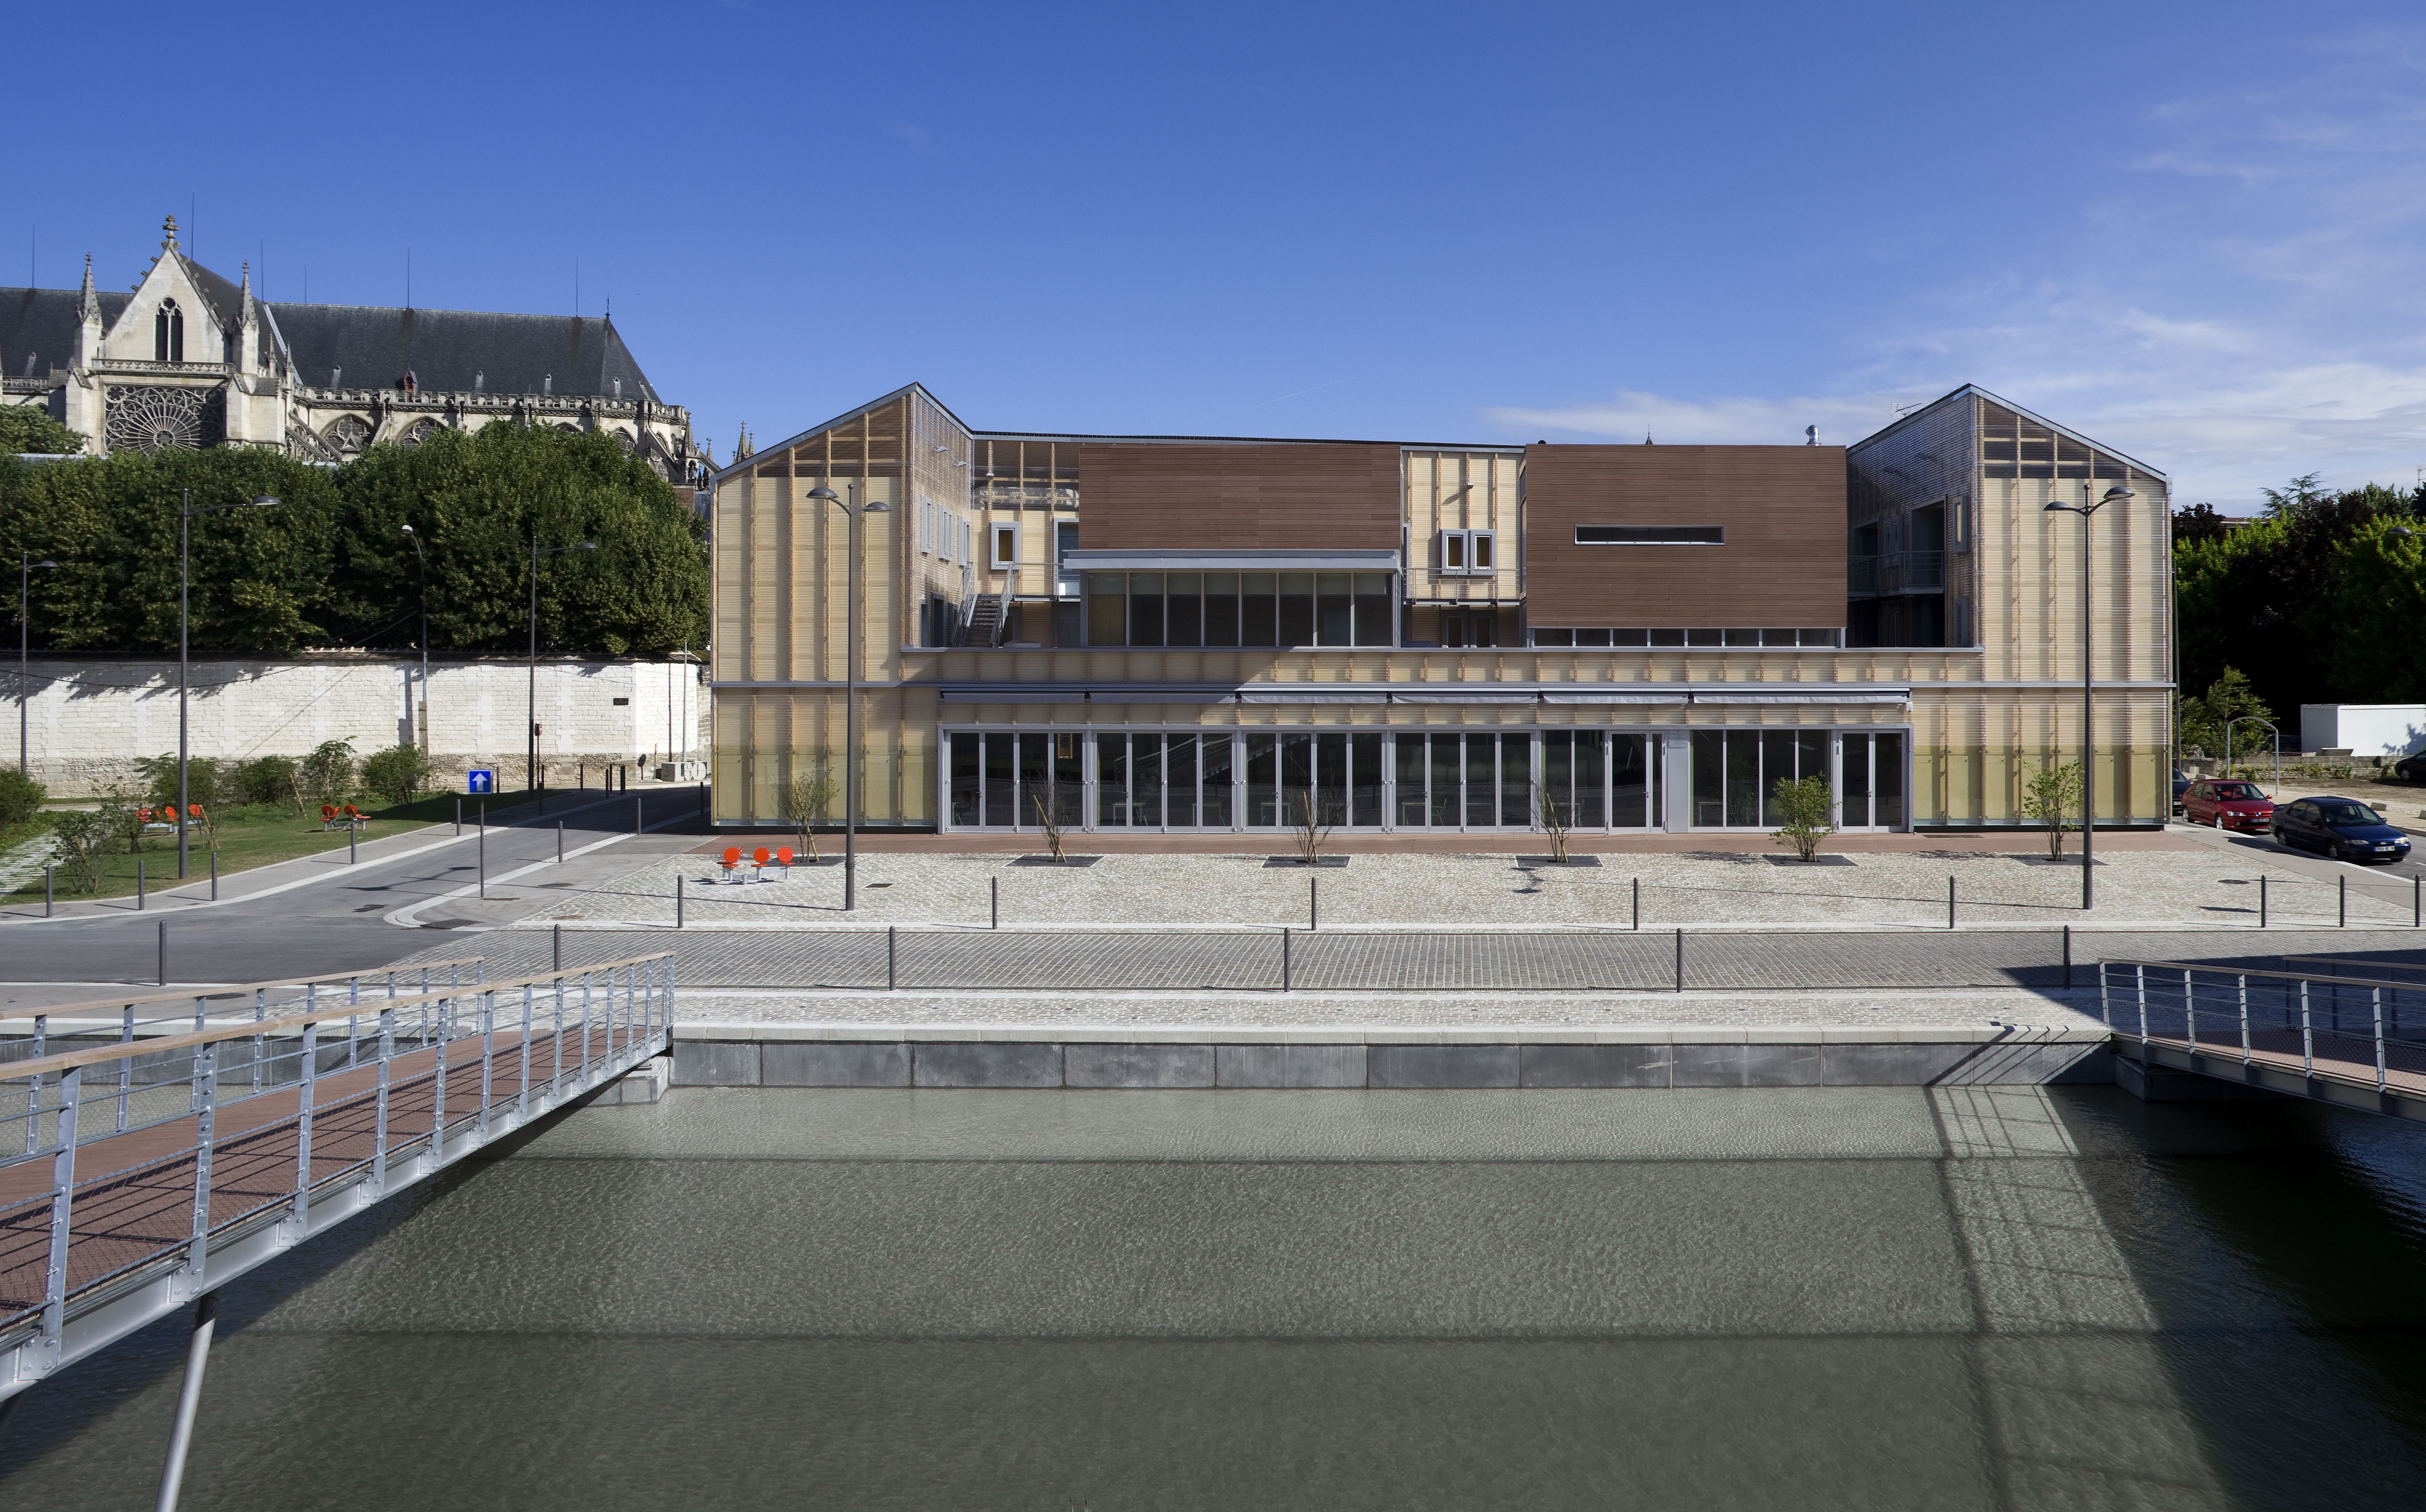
(1810, 1298)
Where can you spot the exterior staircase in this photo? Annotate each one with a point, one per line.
(987, 615)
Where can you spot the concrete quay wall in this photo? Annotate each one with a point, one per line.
(763, 1056)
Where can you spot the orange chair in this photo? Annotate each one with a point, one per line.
(195, 811)
(327, 815)
(784, 859)
(759, 859)
(731, 864)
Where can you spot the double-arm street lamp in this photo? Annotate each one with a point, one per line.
(185, 513)
(2117, 494)
(531, 769)
(851, 697)
(421, 725)
(25, 565)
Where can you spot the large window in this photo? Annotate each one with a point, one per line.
(1736, 772)
(1010, 781)
(1873, 782)
(1241, 608)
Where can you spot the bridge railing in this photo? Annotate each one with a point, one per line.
(145, 1170)
(2369, 1031)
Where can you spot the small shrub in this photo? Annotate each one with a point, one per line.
(20, 796)
(327, 775)
(1804, 810)
(204, 780)
(397, 774)
(808, 799)
(83, 836)
(267, 782)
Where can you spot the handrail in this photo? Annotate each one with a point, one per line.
(231, 989)
(2333, 960)
(2252, 971)
(69, 1060)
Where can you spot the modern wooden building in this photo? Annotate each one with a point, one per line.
(1156, 633)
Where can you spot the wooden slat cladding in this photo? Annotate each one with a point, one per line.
(1163, 496)
(1782, 508)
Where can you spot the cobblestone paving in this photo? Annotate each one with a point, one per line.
(2190, 883)
(1398, 961)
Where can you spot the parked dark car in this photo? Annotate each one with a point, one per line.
(2342, 828)
(2228, 804)
(2411, 768)
(2181, 785)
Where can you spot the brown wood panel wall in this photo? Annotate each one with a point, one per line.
(1782, 508)
(1163, 496)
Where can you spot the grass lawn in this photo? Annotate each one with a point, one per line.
(256, 840)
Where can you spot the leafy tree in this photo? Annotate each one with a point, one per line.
(83, 836)
(2371, 633)
(2200, 522)
(2200, 719)
(270, 779)
(24, 428)
(260, 577)
(2298, 497)
(202, 780)
(2052, 797)
(476, 501)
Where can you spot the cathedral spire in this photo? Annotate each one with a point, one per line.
(169, 228)
(89, 302)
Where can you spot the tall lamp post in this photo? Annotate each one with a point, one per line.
(423, 559)
(2117, 494)
(185, 513)
(850, 698)
(531, 771)
(26, 566)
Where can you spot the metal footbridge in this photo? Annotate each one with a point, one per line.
(2349, 1032)
(158, 1146)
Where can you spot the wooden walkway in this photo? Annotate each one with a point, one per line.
(134, 1193)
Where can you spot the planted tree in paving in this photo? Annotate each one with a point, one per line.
(2052, 797)
(1803, 811)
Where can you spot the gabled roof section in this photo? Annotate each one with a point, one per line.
(763, 454)
(446, 350)
(1970, 391)
(225, 300)
(43, 324)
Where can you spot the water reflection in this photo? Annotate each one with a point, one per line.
(1811, 1298)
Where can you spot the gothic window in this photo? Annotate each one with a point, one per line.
(418, 432)
(169, 334)
(348, 433)
(161, 419)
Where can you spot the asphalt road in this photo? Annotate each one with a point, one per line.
(334, 920)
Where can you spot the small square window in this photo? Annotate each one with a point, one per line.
(1667, 638)
(1004, 555)
(1468, 553)
(1742, 637)
(1777, 637)
(1629, 638)
(1704, 637)
(1592, 637)
(1557, 638)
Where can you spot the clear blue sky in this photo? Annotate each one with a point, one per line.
(2192, 231)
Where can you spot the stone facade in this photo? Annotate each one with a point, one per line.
(86, 719)
(188, 359)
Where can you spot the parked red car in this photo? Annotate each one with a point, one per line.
(2228, 804)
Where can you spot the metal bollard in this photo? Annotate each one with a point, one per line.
(555, 947)
(560, 842)
(215, 873)
(1284, 958)
(2342, 903)
(636, 815)
(2418, 902)
(2067, 958)
(141, 902)
(678, 903)
(891, 939)
(1312, 902)
(352, 831)
(2261, 900)
(164, 952)
(46, 892)
(1950, 902)
(481, 844)
(1638, 904)
(993, 903)
(459, 816)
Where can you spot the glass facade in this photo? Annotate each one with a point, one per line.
(1241, 608)
(1598, 780)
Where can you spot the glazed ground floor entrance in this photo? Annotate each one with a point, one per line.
(1423, 780)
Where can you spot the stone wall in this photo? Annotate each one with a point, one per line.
(88, 720)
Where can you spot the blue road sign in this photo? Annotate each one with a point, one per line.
(480, 780)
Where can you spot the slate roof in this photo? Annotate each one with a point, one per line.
(444, 348)
(43, 323)
(227, 299)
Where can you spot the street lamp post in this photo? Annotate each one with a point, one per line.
(185, 513)
(850, 698)
(26, 566)
(2117, 494)
(531, 768)
(422, 724)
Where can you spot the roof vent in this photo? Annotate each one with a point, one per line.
(618, 389)
(480, 382)
(547, 385)
(335, 373)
